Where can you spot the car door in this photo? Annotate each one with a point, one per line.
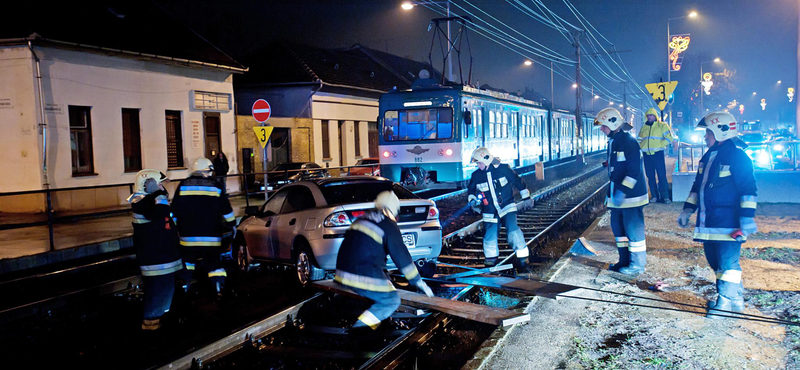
(291, 220)
(257, 232)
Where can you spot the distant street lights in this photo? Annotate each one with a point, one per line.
(528, 63)
(408, 5)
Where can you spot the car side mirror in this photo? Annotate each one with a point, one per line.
(251, 210)
(467, 117)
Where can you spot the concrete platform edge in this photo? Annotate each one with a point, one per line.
(9, 265)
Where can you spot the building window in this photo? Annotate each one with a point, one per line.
(326, 144)
(205, 100)
(357, 137)
(80, 134)
(131, 140)
(174, 139)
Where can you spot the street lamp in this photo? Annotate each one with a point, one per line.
(574, 86)
(779, 81)
(692, 14)
(528, 63)
(408, 5)
(716, 60)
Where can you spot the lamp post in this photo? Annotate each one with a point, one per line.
(408, 5)
(692, 14)
(703, 107)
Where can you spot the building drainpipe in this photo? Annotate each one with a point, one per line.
(43, 125)
(43, 122)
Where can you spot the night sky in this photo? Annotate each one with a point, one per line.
(756, 38)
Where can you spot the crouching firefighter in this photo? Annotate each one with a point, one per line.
(491, 194)
(627, 194)
(362, 260)
(203, 213)
(156, 241)
(724, 194)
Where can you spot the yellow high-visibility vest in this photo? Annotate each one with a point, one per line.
(654, 138)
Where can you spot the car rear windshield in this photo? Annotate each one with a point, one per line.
(361, 191)
(288, 166)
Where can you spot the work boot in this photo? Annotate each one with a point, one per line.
(654, 200)
(153, 324)
(490, 261)
(667, 201)
(724, 304)
(624, 260)
(521, 265)
(637, 265)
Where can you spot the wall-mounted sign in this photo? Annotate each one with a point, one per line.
(6, 103)
(52, 108)
(678, 44)
(197, 134)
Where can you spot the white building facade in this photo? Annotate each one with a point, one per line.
(108, 115)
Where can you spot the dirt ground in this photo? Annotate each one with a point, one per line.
(579, 334)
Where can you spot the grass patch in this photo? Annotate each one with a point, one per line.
(780, 255)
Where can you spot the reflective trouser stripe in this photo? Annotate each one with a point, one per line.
(369, 319)
(522, 253)
(731, 276)
(622, 241)
(161, 269)
(638, 246)
(189, 266)
(217, 272)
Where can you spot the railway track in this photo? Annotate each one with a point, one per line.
(288, 334)
(316, 339)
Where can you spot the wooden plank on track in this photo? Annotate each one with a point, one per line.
(529, 287)
(470, 311)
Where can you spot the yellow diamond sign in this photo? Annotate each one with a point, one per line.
(661, 91)
(262, 134)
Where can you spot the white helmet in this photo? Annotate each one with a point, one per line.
(722, 124)
(387, 201)
(203, 165)
(142, 177)
(609, 117)
(482, 155)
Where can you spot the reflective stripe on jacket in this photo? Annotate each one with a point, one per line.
(154, 235)
(626, 171)
(362, 255)
(496, 185)
(724, 190)
(654, 137)
(202, 212)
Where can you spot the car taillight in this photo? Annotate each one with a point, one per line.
(433, 213)
(356, 214)
(337, 219)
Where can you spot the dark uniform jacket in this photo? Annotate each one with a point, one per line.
(202, 212)
(154, 235)
(724, 190)
(495, 187)
(362, 256)
(626, 171)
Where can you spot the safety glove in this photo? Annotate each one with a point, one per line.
(424, 288)
(683, 218)
(748, 225)
(619, 196)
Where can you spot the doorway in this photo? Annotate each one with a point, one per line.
(279, 147)
(213, 139)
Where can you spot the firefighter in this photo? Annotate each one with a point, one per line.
(203, 214)
(627, 194)
(654, 137)
(362, 260)
(724, 192)
(491, 195)
(156, 241)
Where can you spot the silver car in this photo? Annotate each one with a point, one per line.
(303, 224)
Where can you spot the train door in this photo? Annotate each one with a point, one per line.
(516, 137)
(480, 132)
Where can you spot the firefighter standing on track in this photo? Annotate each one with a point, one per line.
(724, 192)
(491, 194)
(627, 194)
(203, 214)
(654, 137)
(156, 241)
(362, 259)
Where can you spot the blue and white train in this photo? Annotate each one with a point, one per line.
(436, 128)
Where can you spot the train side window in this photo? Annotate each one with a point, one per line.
(478, 119)
(505, 124)
(491, 124)
(444, 129)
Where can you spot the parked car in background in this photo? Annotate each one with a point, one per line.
(303, 224)
(371, 167)
(289, 172)
(758, 149)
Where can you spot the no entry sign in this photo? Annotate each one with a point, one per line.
(261, 110)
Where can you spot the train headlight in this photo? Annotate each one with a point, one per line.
(448, 152)
(778, 147)
(386, 154)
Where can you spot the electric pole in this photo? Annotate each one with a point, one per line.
(576, 37)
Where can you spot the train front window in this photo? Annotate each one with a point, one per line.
(418, 124)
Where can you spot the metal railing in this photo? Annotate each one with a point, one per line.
(770, 155)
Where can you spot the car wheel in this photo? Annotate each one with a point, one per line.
(242, 256)
(305, 269)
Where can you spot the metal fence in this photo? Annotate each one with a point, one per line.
(770, 155)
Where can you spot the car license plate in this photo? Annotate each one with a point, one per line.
(408, 240)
